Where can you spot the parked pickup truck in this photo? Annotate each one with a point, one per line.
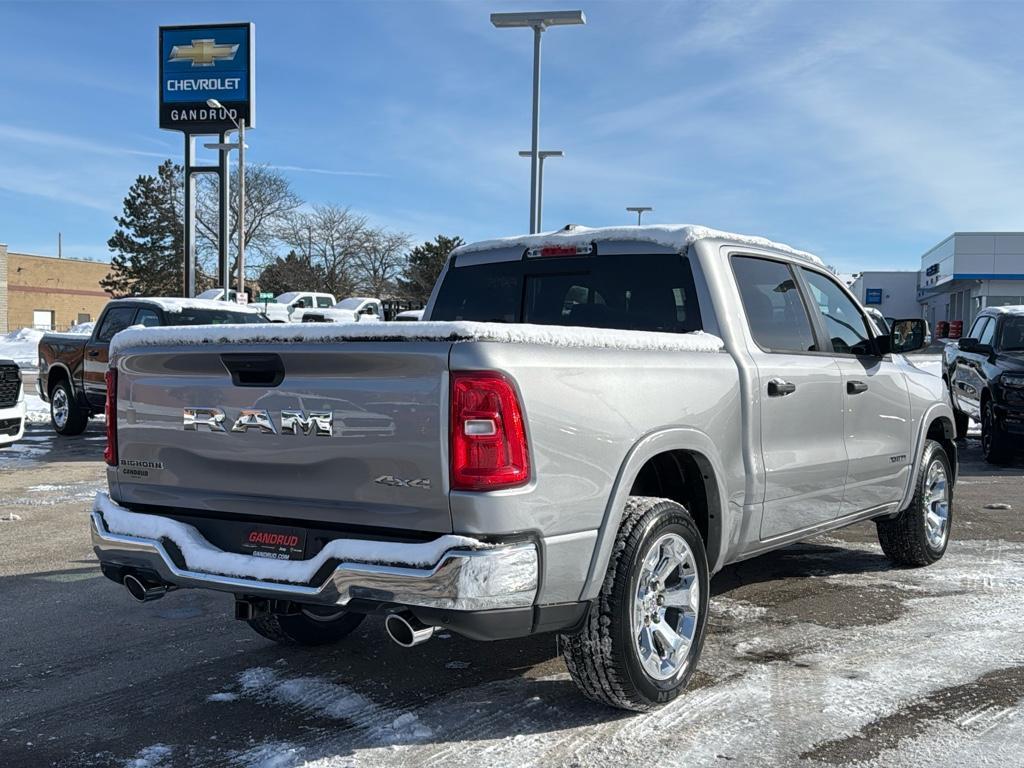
(588, 425)
(351, 310)
(12, 403)
(72, 367)
(985, 375)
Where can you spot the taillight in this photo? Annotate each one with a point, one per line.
(488, 436)
(110, 452)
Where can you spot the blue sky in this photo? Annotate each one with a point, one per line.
(865, 132)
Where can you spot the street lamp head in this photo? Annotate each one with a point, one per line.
(214, 104)
(543, 153)
(639, 208)
(540, 19)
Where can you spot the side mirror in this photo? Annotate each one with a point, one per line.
(975, 347)
(907, 336)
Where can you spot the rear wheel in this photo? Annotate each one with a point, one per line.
(311, 626)
(995, 443)
(644, 634)
(919, 535)
(66, 415)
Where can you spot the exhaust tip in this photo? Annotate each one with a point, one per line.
(406, 630)
(142, 592)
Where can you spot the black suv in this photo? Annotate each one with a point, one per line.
(985, 374)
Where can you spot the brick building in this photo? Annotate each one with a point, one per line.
(48, 293)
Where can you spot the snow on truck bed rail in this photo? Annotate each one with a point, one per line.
(677, 236)
(338, 333)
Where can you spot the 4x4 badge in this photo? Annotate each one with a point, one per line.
(397, 482)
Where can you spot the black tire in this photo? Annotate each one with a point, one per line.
(77, 418)
(905, 539)
(995, 443)
(602, 656)
(306, 628)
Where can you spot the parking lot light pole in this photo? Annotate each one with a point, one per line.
(639, 210)
(542, 155)
(240, 145)
(538, 21)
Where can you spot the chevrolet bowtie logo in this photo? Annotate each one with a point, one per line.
(203, 53)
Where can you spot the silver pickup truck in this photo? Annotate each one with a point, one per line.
(589, 424)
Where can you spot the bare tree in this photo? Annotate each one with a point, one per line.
(380, 261)
(331, 238)
(269, 201)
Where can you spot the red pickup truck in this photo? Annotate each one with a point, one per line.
(72, 368)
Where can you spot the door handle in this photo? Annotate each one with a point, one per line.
(94, 353)
(856, 387)
(780, 388)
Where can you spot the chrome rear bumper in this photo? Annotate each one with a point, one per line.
(463, 579)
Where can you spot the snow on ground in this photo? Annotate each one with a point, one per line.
(36, 411)
(779, 693)
(333, 333)
(21, 346)
(151, 757)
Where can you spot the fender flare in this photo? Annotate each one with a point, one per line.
(935, 411)
(650, 445)
(67, 373)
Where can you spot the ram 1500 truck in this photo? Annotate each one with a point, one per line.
(985, 375)
(72, 367)
(586, 427)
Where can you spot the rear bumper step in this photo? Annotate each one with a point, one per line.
(503, 576)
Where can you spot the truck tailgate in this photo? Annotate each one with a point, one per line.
(352, 434)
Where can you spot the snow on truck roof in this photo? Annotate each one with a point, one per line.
(460, 331)
(677, 236)
(176, 305)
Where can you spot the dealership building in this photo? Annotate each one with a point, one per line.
(47, 292)
(891, 292)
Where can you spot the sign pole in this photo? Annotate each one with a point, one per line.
(190, 221)
(241, 206)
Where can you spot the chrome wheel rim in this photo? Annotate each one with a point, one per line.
(665, 607)
(936, 515)
(59, 407)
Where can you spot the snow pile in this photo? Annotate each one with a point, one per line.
(22, 347)
(677, 236)
(150, 757)
(202, 556)
(36, 411)
(332, 333)
(82, 329)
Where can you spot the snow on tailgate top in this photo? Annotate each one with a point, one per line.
(676, 236)
(335, 333)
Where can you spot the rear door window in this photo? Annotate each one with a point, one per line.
(775, 311)
(148, 318)
(116, 320)
(646, 292)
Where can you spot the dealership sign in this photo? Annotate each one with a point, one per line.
(202, 62)
(873, 296)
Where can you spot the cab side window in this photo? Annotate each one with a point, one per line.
(323, 302)
(148, 318)
(116, 320)
(844, 322)
(988, 334)
(775, 311)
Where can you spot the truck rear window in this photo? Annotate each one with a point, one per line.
(631, 292)
(193, 316)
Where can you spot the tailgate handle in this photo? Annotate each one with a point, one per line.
(254, 370)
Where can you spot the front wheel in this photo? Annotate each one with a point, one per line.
(644, 633)
(311, 626)
(919, 535)
(995, 443)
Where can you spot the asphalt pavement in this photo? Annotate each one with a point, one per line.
(821, 654)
